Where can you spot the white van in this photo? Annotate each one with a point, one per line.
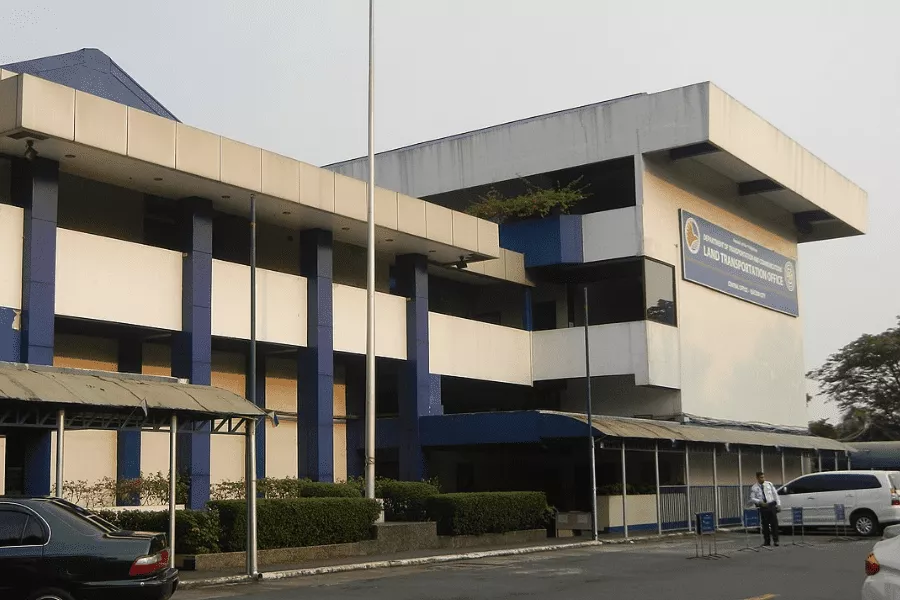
(871, 499)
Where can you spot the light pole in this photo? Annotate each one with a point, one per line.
(370, 272)
(590, 422)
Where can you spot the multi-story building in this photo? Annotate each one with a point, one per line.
(125, 242)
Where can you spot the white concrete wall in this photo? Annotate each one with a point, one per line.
(11, 238)
(111, 280)
(612, 234)
(280, 304)
(475, 350)
(741, 132)
(350, 322)
(738, 361)
(227, 451)
(157, 360)
(91, 455)
(647, 350)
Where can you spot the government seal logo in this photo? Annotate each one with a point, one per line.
(790, 277)
(692, 235)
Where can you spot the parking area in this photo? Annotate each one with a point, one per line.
(826, 569)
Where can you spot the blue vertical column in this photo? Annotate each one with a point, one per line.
(528, 311)
(260, 402)
(417, 396)
(128, 443)
(315, 363)
(10, 338)
(35, 188)
(191, 347)
(356, 426)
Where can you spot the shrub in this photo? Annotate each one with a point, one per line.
(292, 523)
(535, 202)
(288, 487)
(488, 512)
(615, 489)
(405, 500)
(196, 531)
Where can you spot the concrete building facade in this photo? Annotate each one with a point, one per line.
(124, 246)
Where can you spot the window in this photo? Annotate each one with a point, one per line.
(34, 533)
(855, 482)
(544, 315)
(659, 292)
(806, 485)
(12, 526)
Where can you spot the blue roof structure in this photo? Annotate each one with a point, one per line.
(90, 70)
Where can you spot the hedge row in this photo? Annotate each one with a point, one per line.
(488, 512)
(196, 531)
(292, 523)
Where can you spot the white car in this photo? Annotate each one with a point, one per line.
(870, 499)
(883, 571)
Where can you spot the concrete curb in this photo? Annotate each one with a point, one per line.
(414, 562)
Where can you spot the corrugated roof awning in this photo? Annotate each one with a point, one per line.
(98, 391)
(538, 425)
(622, 427)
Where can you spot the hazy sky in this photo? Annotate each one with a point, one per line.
(291, 76)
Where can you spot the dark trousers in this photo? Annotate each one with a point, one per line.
(768, 517)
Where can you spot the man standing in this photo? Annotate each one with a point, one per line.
(764, 496)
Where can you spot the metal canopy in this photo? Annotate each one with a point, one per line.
(622, 427)
(31, 395)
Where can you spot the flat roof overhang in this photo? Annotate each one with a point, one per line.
(698, 123)
(535, 426)
(105, 141)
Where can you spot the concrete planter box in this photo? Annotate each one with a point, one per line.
(390, 538)
(641, 512)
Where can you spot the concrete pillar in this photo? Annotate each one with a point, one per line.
(315, 363)
(35, 188)
(419, 391)
(128, 443)
(191, 348)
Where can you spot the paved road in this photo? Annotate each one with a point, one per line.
(830, 570)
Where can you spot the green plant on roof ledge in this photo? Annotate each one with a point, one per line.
(535, 202)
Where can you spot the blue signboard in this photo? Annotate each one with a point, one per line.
(751, 517)
(718, 259)
(840, 514)
(797, 515)
(706, 523)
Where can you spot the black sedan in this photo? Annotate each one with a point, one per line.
(51, 549)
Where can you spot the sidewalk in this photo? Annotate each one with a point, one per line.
(196, 579)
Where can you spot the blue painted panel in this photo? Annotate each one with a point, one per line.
(498, 428)
(528, 312)
(10, 336)
(191, 347)
(548, 241)
(128, 443)
(35, 188)
(720, 260)
(637, 527)
(315, 363)
(261, 428)
(37, 462)
(90, 70)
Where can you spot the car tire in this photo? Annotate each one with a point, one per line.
(50, 594)
(865, 524)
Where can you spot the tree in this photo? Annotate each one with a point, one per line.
(823, 428)
(863, 379)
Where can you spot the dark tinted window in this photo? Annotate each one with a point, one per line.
(34, 533)
(544, 315)
(659, 282)
(12, 525)
(807, 485)
(856, 482)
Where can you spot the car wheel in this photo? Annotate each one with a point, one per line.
(50, 594)
(865, 524)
